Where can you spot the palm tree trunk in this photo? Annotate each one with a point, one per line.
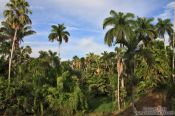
(132, 88)
(11, 56)
(41, 109)
(118, 92)
(173, 57)
(132, 98)
(59, 44)
(122, 83)
(122, 79)
(173, 75)
(164, 43)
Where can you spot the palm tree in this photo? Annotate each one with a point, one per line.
(163, 27)
(76, 62)
(8, 33)
(82, 62)
(16, 16)
(59, 33)
(105, 60)
(121, 28)
(145, 29)
(54, 59)
(93, 63)
(21, 58)
(132, 44)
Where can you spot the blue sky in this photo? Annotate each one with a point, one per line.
(83, 19)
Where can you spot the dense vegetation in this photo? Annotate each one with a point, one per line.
(95, 83)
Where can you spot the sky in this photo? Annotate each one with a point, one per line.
(83, 19)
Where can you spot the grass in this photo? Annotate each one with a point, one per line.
(101, 104)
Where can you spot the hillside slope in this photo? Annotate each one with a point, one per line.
(151, 100)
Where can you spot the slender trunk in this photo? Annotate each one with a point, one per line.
(132, 99)
(122, 83)
(59, 44)
(118, 92)
(118, 81)
(11, 56)
(41, 109)
(34, 104)
(119, 71)
(121, 46)
(164, 43)
(132, 88)
(173, 57)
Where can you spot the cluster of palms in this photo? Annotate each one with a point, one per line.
(135, 36)
(45, 85)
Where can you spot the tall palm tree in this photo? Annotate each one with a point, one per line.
(163, 27)
(132, 44)
(121, 28)
(59, 34)
(8, 33)
(16, 15)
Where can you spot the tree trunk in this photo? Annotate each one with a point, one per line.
(118, 92)
(122, 82)
(132, 99)
(11, 56)
(132, 88)
(59, 44)
(164, 43)
(41, 109)
(173, 57)
(119, 71)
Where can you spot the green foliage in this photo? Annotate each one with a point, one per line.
(101, 104)
(48, 86)
(67, 99)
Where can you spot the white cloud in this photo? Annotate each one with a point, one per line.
(95, 11)
(72, 28)
(86, 45)
(39, 8)
(68, 50)
(2, 7)
(2, 4)
(0, 21)
(170, 5)
(168, 11)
